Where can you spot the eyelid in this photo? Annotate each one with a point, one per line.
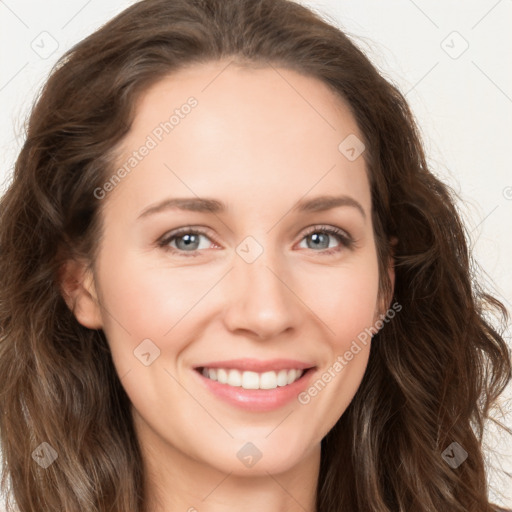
(346, 240)
(326, 227)
(174, 233)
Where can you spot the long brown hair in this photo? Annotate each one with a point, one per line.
(434, 373)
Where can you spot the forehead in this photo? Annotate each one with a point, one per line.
(255, 130)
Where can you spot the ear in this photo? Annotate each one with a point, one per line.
(77, 286)
(385, 302)
(391, 268)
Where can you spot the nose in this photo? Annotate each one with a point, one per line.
(261, 301)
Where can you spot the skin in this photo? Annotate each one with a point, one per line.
(259, 140)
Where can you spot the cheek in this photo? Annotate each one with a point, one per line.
(141, 301)
(348, 309)
(150, 300)
(354, 309)
(344, 298)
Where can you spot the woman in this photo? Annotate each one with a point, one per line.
(325, 347)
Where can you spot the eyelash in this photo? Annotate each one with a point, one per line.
(345, 240)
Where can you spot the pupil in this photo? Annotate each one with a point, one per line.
(316, 237)
(188, 240)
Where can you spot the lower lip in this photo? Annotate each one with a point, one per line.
(257, 400)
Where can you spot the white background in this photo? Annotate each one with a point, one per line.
(462, 98)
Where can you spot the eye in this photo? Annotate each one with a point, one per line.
(186, 240)
(320, 235)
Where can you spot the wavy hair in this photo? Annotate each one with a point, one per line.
(434, 373)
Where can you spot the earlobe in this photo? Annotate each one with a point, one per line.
(79, 292)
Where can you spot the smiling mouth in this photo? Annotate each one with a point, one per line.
(253, 380)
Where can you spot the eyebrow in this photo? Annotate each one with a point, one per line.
(324, 203)
(207, 205)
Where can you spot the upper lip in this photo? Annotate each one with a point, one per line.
(258, 365)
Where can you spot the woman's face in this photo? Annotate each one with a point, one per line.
(256, 285)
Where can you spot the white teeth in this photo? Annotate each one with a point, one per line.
(268, 380)
(291, 376)
(252, 380)
(222, 376)
(282, 378)
(234, 378)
